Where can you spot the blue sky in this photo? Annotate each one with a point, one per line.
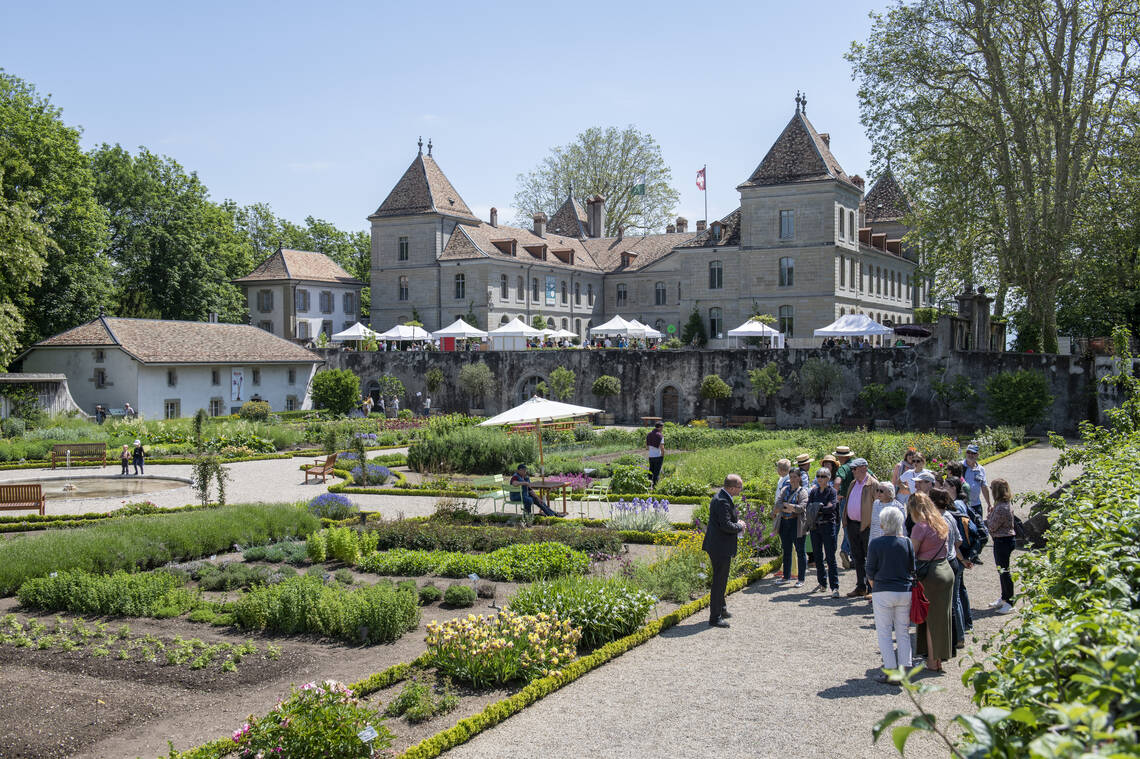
(315, 108)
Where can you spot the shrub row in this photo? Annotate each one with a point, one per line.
(378, 613)
(144, 542)
(471, 450)
(149, 594)
(600, 609)
(516, 563)
(436, 536)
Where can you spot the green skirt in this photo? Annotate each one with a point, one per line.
(938, 585)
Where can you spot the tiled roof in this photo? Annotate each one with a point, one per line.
(424, 189)
(886, 200)
(300, 264)
(648, 248)
(799, 154)
(729, 235)
(159, 341)
(570, 219)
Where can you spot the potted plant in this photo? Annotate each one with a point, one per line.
(818, 380)
(606, 386)
(713, 388)
(477, 381)
(766, 383)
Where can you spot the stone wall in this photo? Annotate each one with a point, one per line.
(649, 379)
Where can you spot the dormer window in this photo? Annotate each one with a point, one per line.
(537, 251)
(627, 258)
(508, 247)
(717, 228)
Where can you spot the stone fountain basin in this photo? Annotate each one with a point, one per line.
(102, 486)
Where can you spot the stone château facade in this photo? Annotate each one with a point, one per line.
(805, 246)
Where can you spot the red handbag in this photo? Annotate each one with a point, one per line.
(919, 604)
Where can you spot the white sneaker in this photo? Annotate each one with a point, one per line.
(799, 584)
(835, 594)
(1005, 608)
(995, 604)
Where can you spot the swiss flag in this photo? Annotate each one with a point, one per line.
(701, 179)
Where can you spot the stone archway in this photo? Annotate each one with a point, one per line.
(527, 388)
(374, 391)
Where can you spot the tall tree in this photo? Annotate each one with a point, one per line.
(608, 162)
(1024, 93)
(53, 273)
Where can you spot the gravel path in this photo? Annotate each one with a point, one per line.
(789, 679)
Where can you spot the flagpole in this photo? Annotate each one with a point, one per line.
(706, 177)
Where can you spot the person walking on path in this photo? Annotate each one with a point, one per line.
(845, 476)
(890, 566)
(125, 459)
(137, 456)
(790, 515)
(721, 538)
(655, 442)
(427, 405)
(823, 514)
(934, 636)
(975, 477)
(857, 518)
(1000, 524)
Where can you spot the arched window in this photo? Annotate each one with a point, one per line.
(854, 278)
(842, 271)
(787, 272)
(842, 311)
(520, 289)
(460, 287)
(878, 281)
(565, 297)
(578, 326)
(842, 219)
(716, 275)
(716, 323)
(589, 294)
(565, 323)
(577, 293)
(621, 293)
(504, 320)
(504, 288)
(851, 224)
(659, 294)
(534, 289)
(787, 320)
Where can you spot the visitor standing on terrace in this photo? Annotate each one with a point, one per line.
(975, 477)
(790, 515)
(890, 566)
(823, 505)
(857, 518)
(720, 543)
(844, 476)
(1000, 524)
(655, 442)
(934, 636)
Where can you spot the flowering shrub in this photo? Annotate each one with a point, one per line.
(137, 508)
(760, 533)
(317, 721)
(369, 438)
(603, 610)
(641, 514)
(484, 651)
(629, 478)
(576, 482)
(332, 506)
(372, 475)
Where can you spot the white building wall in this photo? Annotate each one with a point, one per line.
(194, 388)
(79, 364)
(340, 318)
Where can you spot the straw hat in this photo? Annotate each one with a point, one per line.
(842, 450)
(829, 459)
(803, 458)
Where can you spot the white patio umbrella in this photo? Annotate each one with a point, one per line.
(356, 332)
(536, 411)
(853, 325)
(459, 329)
(757, 328)
(405, 333)
(615, 326)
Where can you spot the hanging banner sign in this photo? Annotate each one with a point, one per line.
(237, 384)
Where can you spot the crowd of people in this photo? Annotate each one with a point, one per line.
(911, 539)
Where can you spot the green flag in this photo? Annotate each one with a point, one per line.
(638, 186)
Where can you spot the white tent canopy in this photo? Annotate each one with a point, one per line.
(539, 410)
(853, 325)
(356, 332)
(617, 326)
(459, 329)
(515, 328)
(564, 333)
(757, 328)
(645, 330)
(405, 333)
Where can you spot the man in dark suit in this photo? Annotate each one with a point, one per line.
(721, 535)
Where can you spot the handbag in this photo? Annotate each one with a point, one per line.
(919, 604)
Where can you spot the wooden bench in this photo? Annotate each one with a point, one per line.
(739, 421)
(22, 497)
(79, 452)
(321, 469)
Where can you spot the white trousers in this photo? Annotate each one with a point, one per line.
(892, 614)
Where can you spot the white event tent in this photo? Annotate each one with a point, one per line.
(616, 327)
(459, 329)
(512, 336)
(757, 328)
(405, 333)
(356, 332)
(853, 325)
(645, 330)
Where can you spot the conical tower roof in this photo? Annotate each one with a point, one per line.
(570, 219)
(424, 188)
(886, 200)
(798, 155)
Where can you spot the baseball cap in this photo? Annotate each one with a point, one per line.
(858, 463)
(924, 477)
(972, 448)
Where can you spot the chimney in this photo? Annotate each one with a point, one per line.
(494, 217)
(858, 181)
(701, 224)
(670, 229)
(621, 233)
(596, 215)
(540, 224)
(826, 138)
(682, 224)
